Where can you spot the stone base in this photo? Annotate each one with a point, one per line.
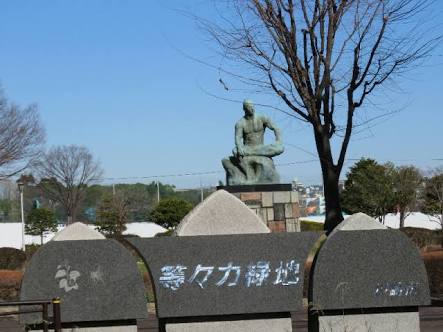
(276, 204)
(256, 325)
(128, 328)
(257, 187)
(401, 322)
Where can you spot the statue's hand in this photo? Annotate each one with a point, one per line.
(239, 151)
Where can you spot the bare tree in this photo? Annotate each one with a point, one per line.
(323, 59)
(112, 214)
(407, 185)
(21, 137)
(65, 172)
(433, 196)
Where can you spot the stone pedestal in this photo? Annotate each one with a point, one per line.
(219, 214)
(276, 204)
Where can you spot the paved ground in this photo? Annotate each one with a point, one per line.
(431, 320)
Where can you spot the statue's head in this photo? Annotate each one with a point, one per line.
(248, 107)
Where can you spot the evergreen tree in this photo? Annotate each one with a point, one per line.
(170, 211)
(369, 189)
(40, 221)
(112, 215)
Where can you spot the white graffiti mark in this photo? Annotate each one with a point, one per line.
(396, 289)
(172, 276)
(227, 270)
(287, 274)
(206, 270)
(68, 277)
(257, 274)
(97, 275)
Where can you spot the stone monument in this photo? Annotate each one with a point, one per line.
(251, 175)
(241, 282)
(251, 161)
(97, 280)
(367, 278)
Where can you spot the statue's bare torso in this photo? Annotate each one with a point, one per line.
(251, 161)
(252, 131)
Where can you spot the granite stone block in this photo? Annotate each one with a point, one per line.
(78, 231)
(220, 213)
(270, 213)
(277, 226)
(97, 280)
(263, 214)
(267, 199)
(295, 210)
(288, 210)
(383, 322)
(369, 269)
(279, 212)
(256, 325)
(291, 225)
(358, 221)
(227, 274)
(297, 225)
(251, 197)
(294, 197)
(282, 197)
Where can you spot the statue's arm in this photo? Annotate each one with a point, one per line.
(268, 123)
(239, 138)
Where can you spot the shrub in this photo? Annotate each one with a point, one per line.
(10, 284)
(307, 226)
(434, 266)
(169, 232)
(31, 249)
(422, 237)
(170, 211)
(12, 259)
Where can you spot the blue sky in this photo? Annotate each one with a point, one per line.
(111, 75)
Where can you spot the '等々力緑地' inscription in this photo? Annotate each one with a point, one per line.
(227, 274)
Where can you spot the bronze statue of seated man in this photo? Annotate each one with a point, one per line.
(251, 162)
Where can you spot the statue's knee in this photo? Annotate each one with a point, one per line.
(226, 163)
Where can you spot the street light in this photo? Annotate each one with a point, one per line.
(21, 186)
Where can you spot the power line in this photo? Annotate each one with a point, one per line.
(186, 174)
(196, 173)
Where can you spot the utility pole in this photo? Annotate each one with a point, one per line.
(158, 191)
(113, 189)
(201, 191)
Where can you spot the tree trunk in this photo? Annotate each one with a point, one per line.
(72, 215)
(402, 217)
(334, 214)
(41, 238)
(331, 175)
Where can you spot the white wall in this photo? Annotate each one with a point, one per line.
(11, 233)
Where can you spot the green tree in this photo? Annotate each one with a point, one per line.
(112, 215)
(368, 189)
(170, 211)
(40, 221)
(433, 196)
(407, 182)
